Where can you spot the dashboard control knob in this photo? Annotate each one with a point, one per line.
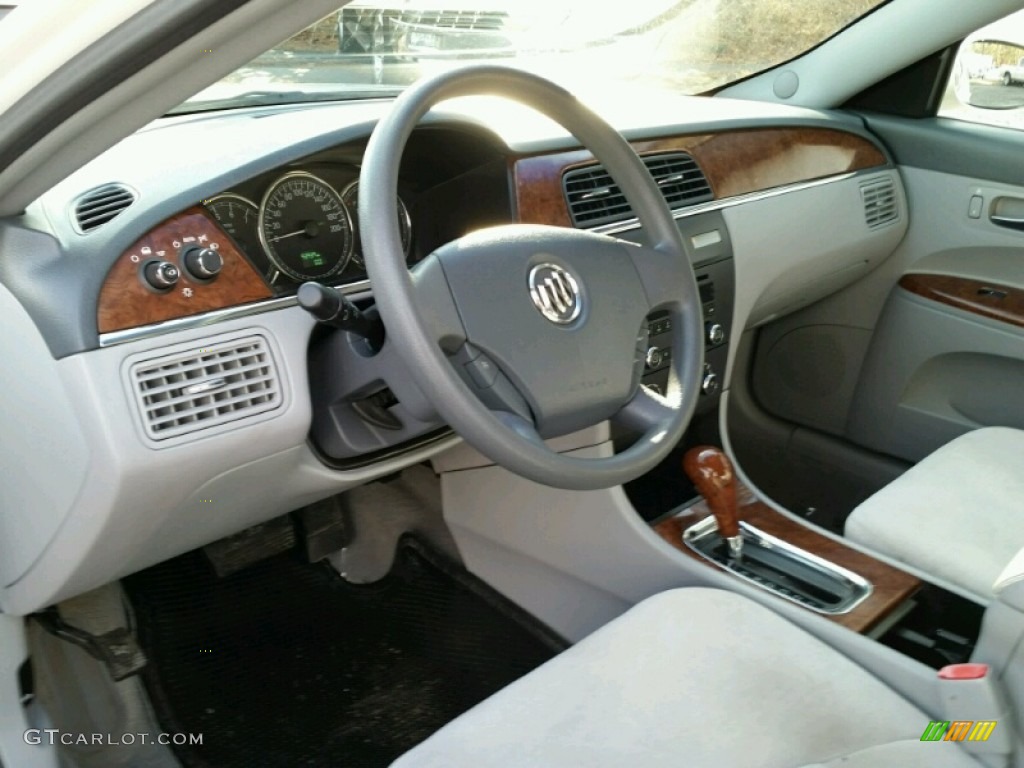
(202, 263)
(654, 357)
(161, 275)
(716, 333)
(709, 384)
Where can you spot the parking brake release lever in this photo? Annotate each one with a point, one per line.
(331, 307)
(711, 473)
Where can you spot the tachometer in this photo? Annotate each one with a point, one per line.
(239, 217)
(305, 228)
(350, 196)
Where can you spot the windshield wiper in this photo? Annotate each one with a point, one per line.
(269, 97)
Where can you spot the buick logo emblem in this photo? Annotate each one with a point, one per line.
(555, 293)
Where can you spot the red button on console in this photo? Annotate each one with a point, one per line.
(963, 672)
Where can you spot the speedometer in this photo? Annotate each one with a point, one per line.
(305, 228)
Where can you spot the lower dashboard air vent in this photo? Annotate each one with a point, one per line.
(880, 207)
(594, 199)
(98, 206)
(207, 387)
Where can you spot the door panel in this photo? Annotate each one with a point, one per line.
(935, 371)
(931, 344)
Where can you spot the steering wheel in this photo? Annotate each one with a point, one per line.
(519, 333)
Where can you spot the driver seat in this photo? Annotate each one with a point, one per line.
(692, 677)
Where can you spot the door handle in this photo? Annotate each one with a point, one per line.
(1008, 212)
(1010, 222)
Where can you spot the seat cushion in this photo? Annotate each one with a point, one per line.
(958, 514)
(694, 677)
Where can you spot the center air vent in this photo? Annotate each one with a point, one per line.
(594, 199)
(203, 388)
(98, 206)
(879, 196)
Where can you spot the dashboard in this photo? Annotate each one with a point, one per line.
(168, 351)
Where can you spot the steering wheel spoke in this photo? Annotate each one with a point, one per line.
(492, 387)
(436, 305)
(646, 411)
(523, 427)
(661, 272)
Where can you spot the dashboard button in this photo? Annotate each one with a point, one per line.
(654, 358)
(482, 371)
(716, 333)
(710, 385)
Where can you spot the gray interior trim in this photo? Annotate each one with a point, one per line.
(129, 512)
(119, 54)
(971, 150)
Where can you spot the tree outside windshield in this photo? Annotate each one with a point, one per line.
(687, 46)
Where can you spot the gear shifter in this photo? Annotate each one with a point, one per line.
(711, 472)
(771, 563)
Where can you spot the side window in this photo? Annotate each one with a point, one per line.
(987, 81)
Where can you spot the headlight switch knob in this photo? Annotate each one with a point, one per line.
(161, 275)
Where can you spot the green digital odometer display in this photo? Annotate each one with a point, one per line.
(305, 227)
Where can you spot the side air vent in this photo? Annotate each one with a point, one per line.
(98, 206)
(203, 388)
(879, 196)
(594, 199)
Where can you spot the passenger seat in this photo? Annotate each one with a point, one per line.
(957, 515)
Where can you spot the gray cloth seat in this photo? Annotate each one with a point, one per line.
(692, 677)
(957, 515)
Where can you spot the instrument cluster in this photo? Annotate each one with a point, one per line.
(304, 227)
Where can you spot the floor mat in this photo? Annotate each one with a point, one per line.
(285, 664)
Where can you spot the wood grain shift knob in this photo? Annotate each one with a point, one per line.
(710, 471)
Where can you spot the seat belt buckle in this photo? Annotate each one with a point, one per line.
(976, 712)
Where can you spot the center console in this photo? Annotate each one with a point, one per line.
(715, 283)
(708, 237)
(725, 526)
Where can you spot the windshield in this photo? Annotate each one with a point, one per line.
(375, 47)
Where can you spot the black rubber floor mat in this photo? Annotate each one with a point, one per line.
(285, 664)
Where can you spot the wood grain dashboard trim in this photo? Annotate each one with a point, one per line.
(992, 300)
(891, 586)
(735, 163)
(126, 302)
